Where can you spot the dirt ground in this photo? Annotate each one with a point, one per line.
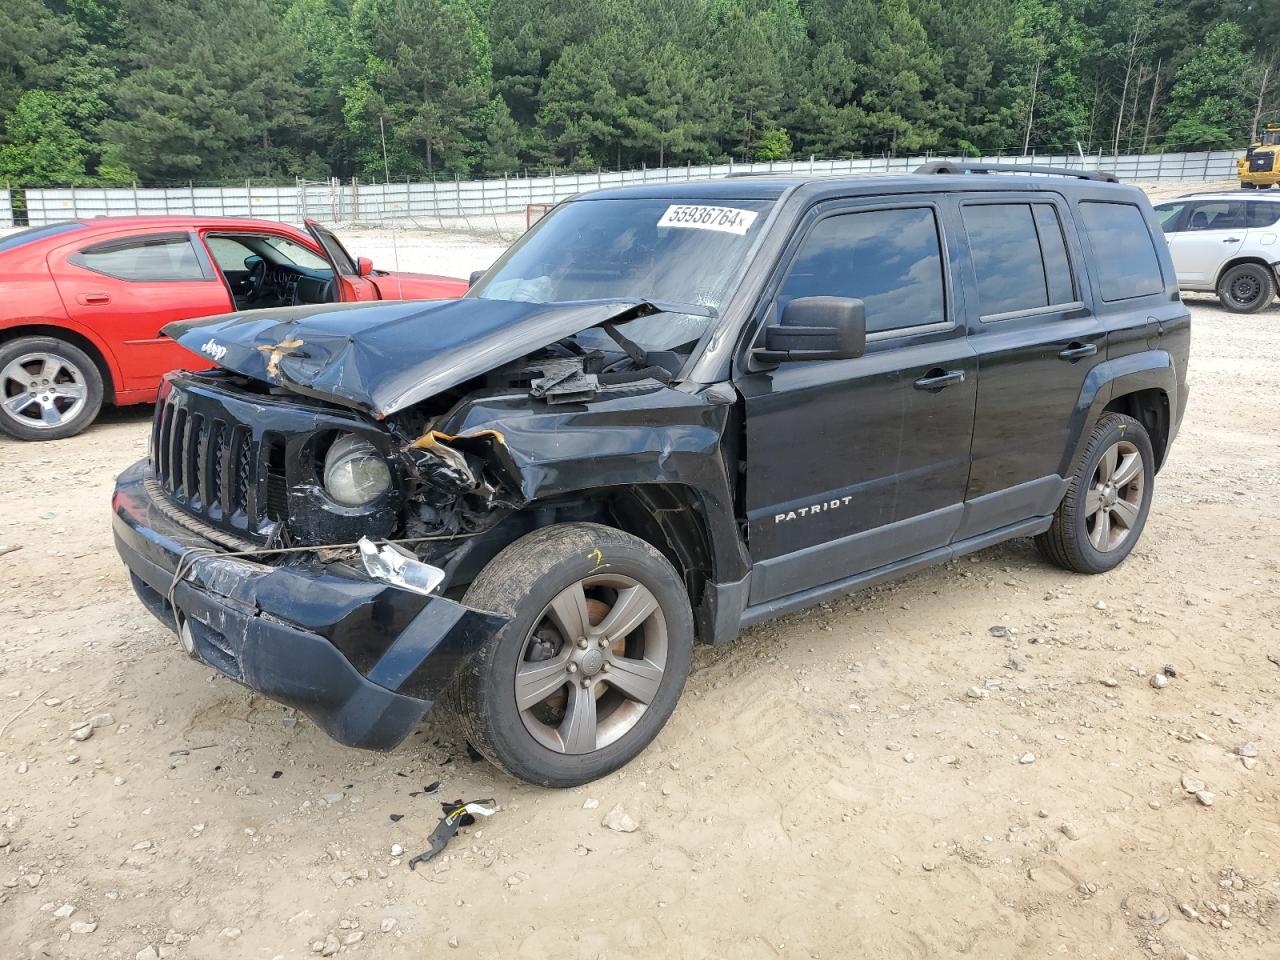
(972, 762)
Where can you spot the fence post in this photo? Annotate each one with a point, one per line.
(75, 215)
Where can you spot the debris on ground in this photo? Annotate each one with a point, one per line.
(620, 821)
(456, 815)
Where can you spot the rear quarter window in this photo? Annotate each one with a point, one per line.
(1124, 255)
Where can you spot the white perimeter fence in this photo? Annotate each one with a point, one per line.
(419, 203)
(6, 209)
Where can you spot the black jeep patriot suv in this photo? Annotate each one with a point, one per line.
(665, 414)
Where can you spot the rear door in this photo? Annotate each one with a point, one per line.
(128, 287)
(1210, 232)
(1263, 237)
(1037, 338)
(855, 464)
(351, 286)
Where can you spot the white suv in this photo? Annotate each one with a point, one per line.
(1227, 243)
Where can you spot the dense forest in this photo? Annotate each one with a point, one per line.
(161, 91)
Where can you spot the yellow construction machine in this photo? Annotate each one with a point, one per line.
(1259, 168)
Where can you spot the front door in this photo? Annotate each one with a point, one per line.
(1211, 232)
(855, 464)
(347, 279)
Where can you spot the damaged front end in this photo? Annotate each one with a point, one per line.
(311, 514)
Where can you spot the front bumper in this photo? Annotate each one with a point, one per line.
(363, 659)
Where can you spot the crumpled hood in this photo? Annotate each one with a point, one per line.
(385, 356)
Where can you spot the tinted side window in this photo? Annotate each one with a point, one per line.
(1170, 216)
(144, 258)
(889, 259)
(1217, 215)
(1262, 213)
(1124, 254)
(1019, 256)
(1057, 265)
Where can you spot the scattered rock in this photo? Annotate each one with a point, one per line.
(64, 911)
(397, 850)
(1191, 784)
(1027, 758)
(999, 631)
(147, 953)
(1205, 797)
(1189, 911)
(590, 803)
(388, 924)
(229, 932)
(351, 939)
(1248, 762)
(929, 866)
(453, 942)
(1109, 682)
(33, 879)
(1159, 681)
(976, 693)
(1247, 750)
(1069, 831)
(4, 840)
(1100, 605)
(330, 946)
(619, 820)
(82, 733)
(84, 926)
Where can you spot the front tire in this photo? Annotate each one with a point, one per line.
(1247, 288)
(1107, 501)
(49, 389)
(592, 662)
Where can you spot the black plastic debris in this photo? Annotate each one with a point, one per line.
(456, 815)
(473, 754)
(1169, 670)
(396, 817)
(432, 788)
(277, 775)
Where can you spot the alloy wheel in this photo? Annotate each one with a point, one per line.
(1114, 500)
(42, 390)
(592, 664)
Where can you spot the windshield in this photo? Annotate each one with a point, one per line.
(1271, 138)
(297, 254)
(660, 250)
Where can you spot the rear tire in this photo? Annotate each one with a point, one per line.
(592, 661)
(1247, 288)
(49, 389)
(1105, 508)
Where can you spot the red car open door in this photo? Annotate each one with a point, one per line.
(346, 274)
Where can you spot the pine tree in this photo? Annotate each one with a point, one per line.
(1208, 107)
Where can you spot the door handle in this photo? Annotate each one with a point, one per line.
(938, 378)
(1231, 240)
(1078, 350)
(90, 299)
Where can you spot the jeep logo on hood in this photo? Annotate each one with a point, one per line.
(214, 349)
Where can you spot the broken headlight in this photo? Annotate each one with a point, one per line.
(354, 472)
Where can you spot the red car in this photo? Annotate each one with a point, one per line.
(82, 303)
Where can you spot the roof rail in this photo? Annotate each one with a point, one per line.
(965, 166)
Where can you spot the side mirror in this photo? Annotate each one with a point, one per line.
(475, 275)
(816, 328)
(364, 266)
